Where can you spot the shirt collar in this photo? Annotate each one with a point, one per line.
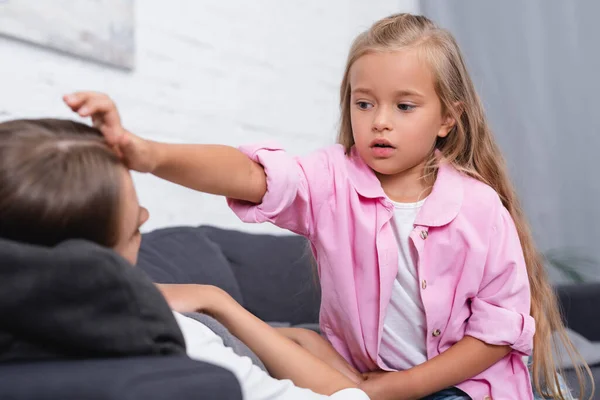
(442, 205)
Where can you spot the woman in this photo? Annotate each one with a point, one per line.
(59, 181)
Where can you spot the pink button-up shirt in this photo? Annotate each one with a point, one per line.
(468, 256)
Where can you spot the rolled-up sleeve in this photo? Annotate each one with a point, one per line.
(295, 186)
(500, 312)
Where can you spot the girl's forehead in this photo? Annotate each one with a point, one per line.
(398, 70)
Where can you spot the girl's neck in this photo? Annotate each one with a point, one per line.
(407, 186)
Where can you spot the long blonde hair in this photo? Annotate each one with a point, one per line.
(471, 148)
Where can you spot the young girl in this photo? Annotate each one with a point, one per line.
(60, 181)
(430, 280)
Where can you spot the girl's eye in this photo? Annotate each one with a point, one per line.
(405, 107)
(363, 105)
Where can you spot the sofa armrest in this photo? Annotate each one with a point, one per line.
(581, 306)
(134, 378)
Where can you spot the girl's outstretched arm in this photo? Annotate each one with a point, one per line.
(214, 169)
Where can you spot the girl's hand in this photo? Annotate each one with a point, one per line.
(373, 375)
(194, 298)
(136, 153)
(376, 385)
(373, 386)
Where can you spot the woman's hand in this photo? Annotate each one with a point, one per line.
(137, 154)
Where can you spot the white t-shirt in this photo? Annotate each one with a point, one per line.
(204, 345)
(404, 328)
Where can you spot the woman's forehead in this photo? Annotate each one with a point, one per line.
(129, 199)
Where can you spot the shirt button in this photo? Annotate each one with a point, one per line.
(424, 284)
(487, 398)
(424, 235)
(436, 333)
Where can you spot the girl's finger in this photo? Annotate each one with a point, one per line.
(125, 141)
(74, 100)
(117, 151)
(94, 105)
(80, 101)
(97, 121)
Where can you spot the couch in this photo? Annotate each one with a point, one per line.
(272, 276)
(275, 277)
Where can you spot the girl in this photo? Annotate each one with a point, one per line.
(59, 181)
(430, 279)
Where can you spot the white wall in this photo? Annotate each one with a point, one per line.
(228, 72)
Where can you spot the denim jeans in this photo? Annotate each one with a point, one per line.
(448, 394)
(457, 394)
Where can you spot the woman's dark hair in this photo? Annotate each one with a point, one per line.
(59, 180)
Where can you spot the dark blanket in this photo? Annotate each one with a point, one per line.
(79, 300)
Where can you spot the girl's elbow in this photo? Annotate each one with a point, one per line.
(258, 184)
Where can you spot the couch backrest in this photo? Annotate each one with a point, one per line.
(274, 277)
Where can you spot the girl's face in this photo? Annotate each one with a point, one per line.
(395, 112)
(132, 217)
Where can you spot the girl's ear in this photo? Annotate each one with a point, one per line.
(449, 121)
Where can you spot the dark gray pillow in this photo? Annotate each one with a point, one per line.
(186, 255)
(79, 300)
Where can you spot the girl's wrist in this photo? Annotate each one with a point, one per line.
(414, 384)
(155, 155)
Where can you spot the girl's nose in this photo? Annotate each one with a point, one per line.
(382, 121)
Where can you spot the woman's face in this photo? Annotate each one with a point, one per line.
(132, 217)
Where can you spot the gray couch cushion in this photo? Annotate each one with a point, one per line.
(274, 277)
(580, 305)
(276, 274)
(186, 255)
(590, 351)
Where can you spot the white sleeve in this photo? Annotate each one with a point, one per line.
(204, 345)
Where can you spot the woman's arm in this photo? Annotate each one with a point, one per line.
(283, 358)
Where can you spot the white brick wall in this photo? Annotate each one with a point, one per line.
(228, 72)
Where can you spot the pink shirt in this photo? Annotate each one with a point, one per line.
(468, 255)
